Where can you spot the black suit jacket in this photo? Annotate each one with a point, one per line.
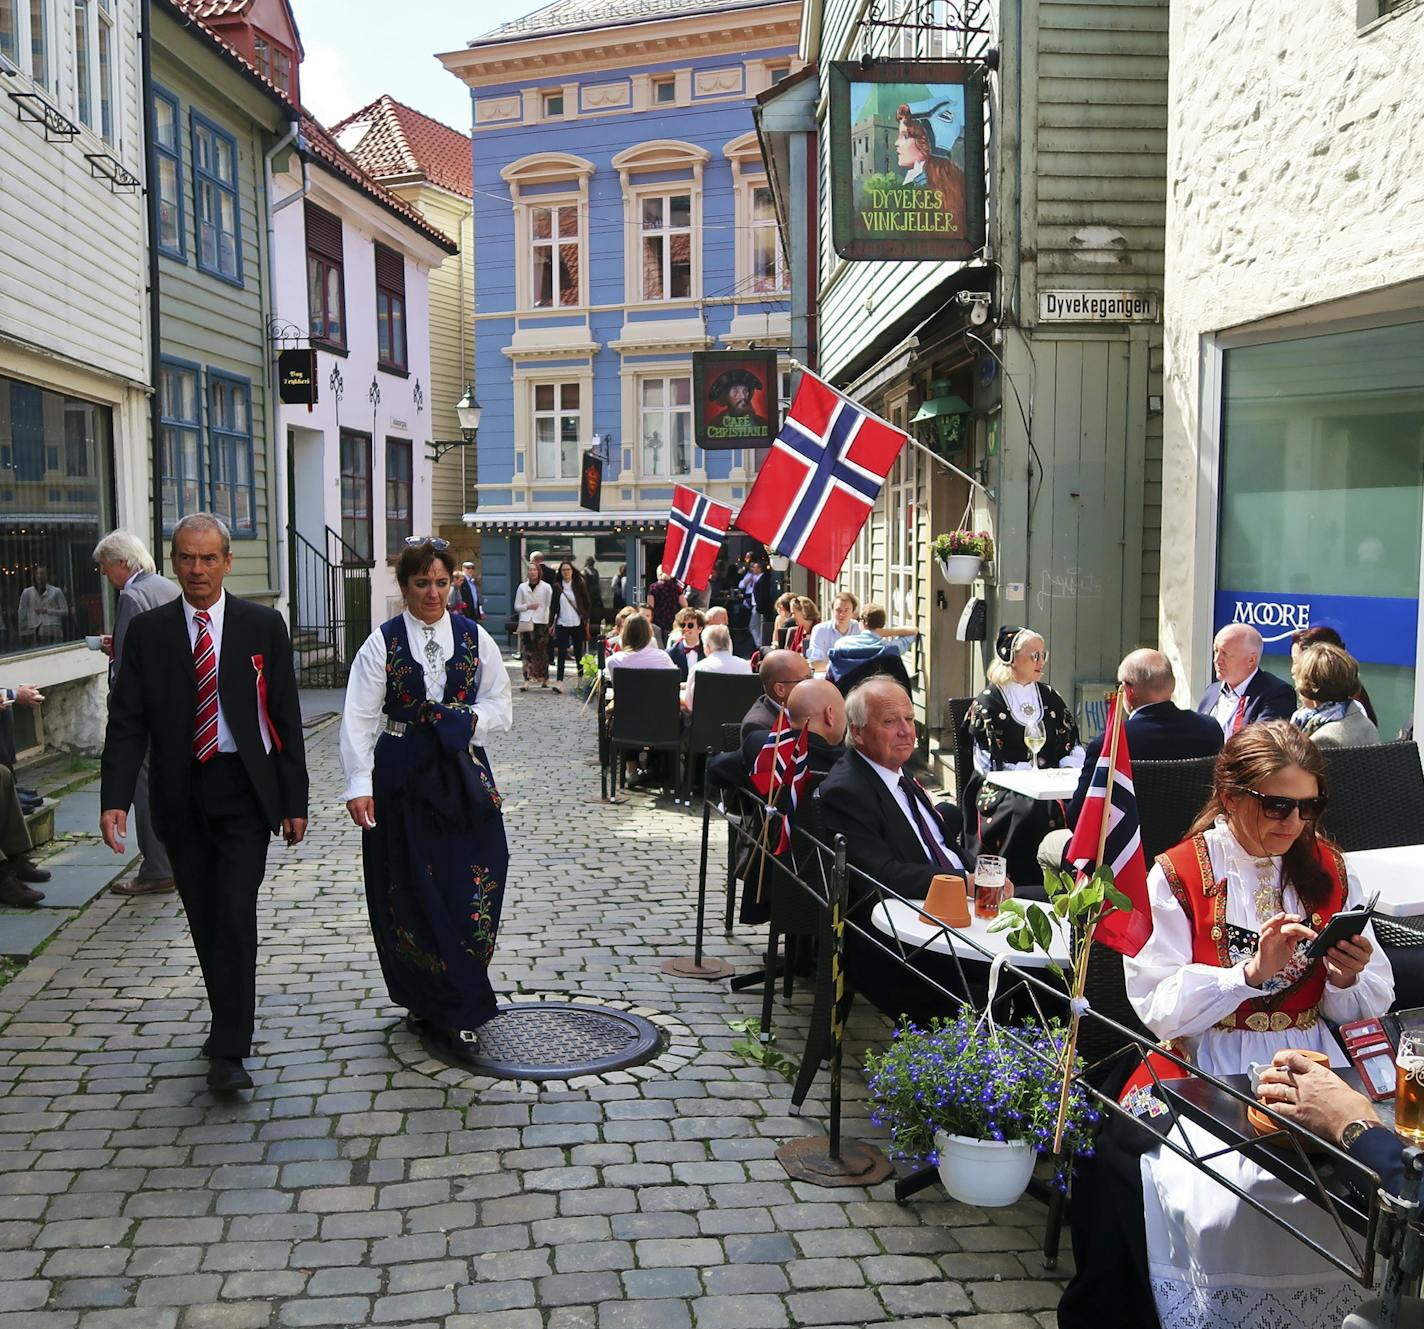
(1381, 1150)
(1267, 698)
(879, 838)
(764, 594)
(1159, 732)
(678, 651)
(154, 703)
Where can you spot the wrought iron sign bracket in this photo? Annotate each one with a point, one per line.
(104, 166)
(31, 107)
(283, 333)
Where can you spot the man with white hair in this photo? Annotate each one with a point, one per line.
(125, 563)
(719, 659)
(1244, 692)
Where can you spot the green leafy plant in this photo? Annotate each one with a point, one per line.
(588, 666)
(977, 544)
(969, 1077)
(1074, 908)
(760, 1050)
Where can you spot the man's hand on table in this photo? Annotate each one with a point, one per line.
(1312, 1096)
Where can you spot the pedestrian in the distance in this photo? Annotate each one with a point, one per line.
(531, 607)
(665, 597)
(570, 619)
(124, 561)
(470, 592)
(208, 690)
(427, 689)
(620, 588)
(594, 583)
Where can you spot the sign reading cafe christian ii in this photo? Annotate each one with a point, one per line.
(907, 159)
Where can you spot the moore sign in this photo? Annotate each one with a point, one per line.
(1376, 629)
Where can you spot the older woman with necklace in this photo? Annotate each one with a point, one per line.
(427, 690)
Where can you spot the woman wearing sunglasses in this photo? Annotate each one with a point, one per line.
(1017, 713)
(1225, 975)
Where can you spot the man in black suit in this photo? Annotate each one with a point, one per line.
(207, 689)
(1243, 692)
(779, 671)
(1156, 729)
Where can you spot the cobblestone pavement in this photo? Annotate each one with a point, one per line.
(354, 1189)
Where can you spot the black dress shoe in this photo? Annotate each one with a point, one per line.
(226, 1075)
(27, 871)
(16, 894)
(455, 1049)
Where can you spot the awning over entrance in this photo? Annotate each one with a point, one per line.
(576, 519)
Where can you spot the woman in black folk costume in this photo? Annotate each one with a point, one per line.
(1000, 718)
(427, 689)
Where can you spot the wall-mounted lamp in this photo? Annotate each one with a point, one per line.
(468, 412)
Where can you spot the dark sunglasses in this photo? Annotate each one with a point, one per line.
(1278, 808)
(434, 541)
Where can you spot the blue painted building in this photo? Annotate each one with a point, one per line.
(622, 221)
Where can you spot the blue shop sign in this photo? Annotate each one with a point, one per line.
(1377, 629)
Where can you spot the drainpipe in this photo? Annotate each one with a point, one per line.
(155, 337)
(278, 435)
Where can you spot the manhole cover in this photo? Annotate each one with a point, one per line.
(552, 1041)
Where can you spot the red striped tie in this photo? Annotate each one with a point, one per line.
(205, 662)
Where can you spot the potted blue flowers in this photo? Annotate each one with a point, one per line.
(979, 1101)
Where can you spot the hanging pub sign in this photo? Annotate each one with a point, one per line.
(591, 482)
(734, 399)
(296, 376)
(907, 159)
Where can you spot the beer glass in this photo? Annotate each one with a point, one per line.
(1409, 1082)
(990, 876)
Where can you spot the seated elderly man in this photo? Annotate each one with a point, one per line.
(717, 658)
(780, 671)
(16, 870)
(894, 833)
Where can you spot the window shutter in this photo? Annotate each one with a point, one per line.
(323, 233)
(390, 270)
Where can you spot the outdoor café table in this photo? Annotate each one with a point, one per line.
(897, 919)
(1398, 875)
(1047, 784)
(1200, 1101)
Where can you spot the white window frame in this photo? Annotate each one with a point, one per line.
(781, 284)
(92, 86)
(667, 232)
(668, 411)
(558, 414)
(749, 175)
(541, 169)
(554, 243)
(23, 57)
(667, 157)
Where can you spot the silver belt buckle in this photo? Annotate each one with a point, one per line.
(396, 728)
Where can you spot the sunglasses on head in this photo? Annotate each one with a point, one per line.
(434, 541)
(1278, 808)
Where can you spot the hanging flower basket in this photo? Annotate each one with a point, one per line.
(985, 1173)
(961, 553)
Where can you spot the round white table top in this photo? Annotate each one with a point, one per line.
(896, 919)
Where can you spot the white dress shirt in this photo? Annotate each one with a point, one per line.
(366, 695)
(216, 613)
(1224, 712)
(568, 606)
(714, 662)
(892, 783)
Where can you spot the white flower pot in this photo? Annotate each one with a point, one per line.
(986, 1173)
(960, 569)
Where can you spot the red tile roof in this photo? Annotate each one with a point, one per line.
(397, 140)
(197, 10)
(330, 154)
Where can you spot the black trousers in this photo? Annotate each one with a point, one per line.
(219, 860)
(569, 643)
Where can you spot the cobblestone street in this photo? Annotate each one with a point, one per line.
(363, 1184)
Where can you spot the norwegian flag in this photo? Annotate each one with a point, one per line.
(1123, 847)
(696, 528)
(820, 479)
(795, 786)
(774, 763)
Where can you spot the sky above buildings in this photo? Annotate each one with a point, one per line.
(358, 49)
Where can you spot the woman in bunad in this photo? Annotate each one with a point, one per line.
(1224, 976)
(427, 690)
(1016, 709)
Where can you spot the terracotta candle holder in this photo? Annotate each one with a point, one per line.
(946, 902)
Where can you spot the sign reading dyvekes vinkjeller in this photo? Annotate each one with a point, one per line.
(907, 159)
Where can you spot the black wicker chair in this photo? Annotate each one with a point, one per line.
(647, 714)
(717, 700)
(1376, 796)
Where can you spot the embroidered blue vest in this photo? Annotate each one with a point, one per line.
(405, 670)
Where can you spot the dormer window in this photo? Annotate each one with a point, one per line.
(274, 61)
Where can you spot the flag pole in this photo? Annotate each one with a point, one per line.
(1080, 970)
(772, 791)
(909, 437)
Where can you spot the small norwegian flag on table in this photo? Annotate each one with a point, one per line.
(821, 478)
(696, 528)
(780, 768)
(1122, 849)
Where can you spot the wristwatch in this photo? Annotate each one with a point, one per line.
(1353, 1130)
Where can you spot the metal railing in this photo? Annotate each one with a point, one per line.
(331, 608)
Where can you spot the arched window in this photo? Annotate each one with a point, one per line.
(761, 258)
(662, 213)
(549, 191)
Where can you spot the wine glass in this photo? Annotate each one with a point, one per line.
(1034, 739)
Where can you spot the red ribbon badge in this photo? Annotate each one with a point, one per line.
(262, 702)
